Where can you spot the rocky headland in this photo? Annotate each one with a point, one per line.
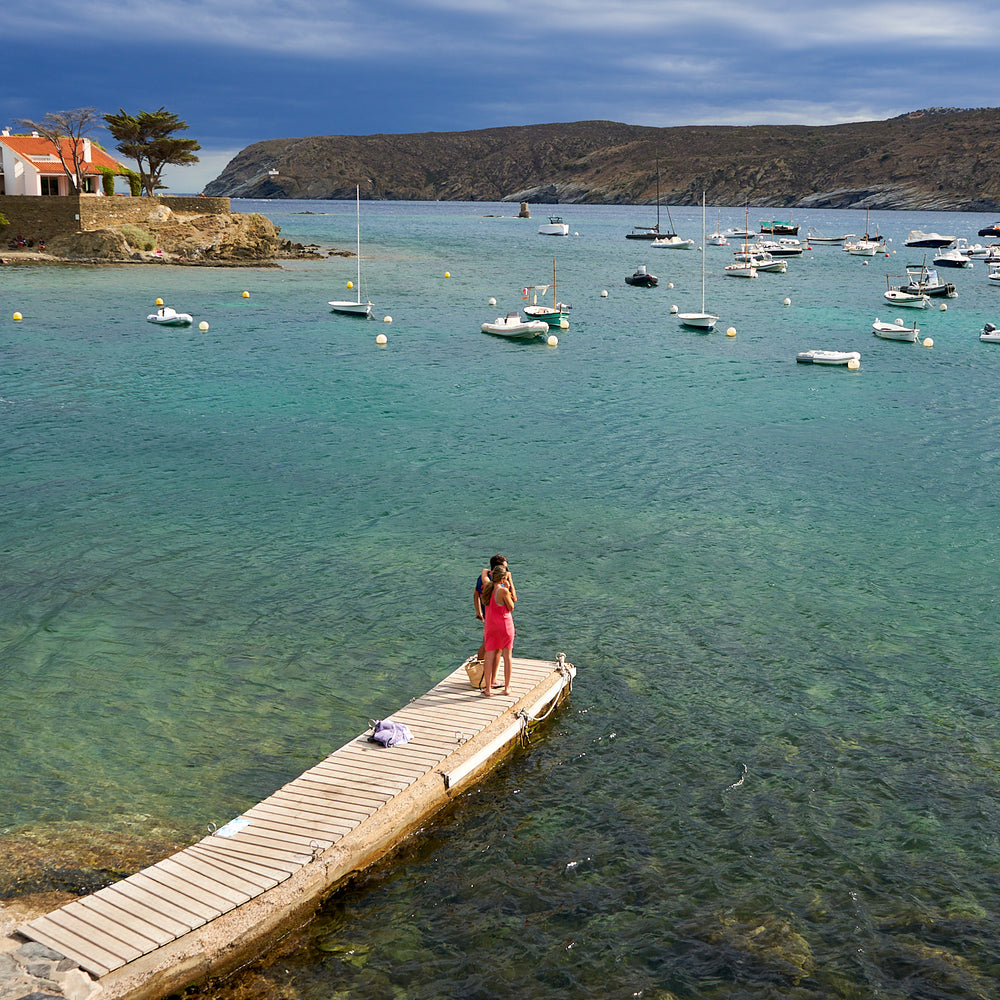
(937, 159)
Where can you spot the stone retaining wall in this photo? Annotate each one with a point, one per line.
(42, 218)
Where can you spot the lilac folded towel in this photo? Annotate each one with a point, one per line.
(390, 734)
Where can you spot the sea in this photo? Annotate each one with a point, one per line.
(225, 550)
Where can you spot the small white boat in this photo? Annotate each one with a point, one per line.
(166, 316)
(357, 307)
(993, 272)
(829, 358)
(672, 242)
(700, 320)
(897, 330)
(514, 327)
(952, 258)
(716, 239)
(762, 260)
(815, 236)
(975, 251)
(911, 300)
(554, 227)
(738, 234)
(898, 297)
(989, 334)
(864, 247)
(741, 269)
(918, 238)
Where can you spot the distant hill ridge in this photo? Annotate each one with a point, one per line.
(944, 159)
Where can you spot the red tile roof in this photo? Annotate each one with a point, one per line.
(37, 149)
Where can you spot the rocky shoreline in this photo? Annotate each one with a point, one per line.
(169, 237)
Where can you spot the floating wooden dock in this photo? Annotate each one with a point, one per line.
(213, 905)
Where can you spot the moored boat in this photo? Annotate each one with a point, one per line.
(911, 300)
(896, 330)
(924, 280)
(952, 258)
(168, 316)
(642, 278)
(672, 242)
(554, 315)
(989, 334)
(346, 306)
(776, 227)
(700, 320)
(818, 357)
(554, 227)
(993, 230)
(514, 327)
(814, 236)
(918, 238)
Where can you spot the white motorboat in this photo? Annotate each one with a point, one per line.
(896, 330)
(738, 234)
(989, 334)
(814, 236)
(918, 238)
(672, 242)
(993, 271)
(762, 260)
(167, 316)
(975, 251)
(555, 314)
(829, 358)
(357, 307)
(554, 227)
(952, 258)
(514, 327)
(700, 320)
(784, 246)
(716, 239)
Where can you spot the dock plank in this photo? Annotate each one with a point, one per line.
(129, 922)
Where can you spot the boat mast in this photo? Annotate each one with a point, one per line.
(702, 251)
(657, 196)
(357, 204)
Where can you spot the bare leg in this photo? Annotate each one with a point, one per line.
(490, 670)
(508, 655)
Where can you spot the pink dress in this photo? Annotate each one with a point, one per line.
(498, 633)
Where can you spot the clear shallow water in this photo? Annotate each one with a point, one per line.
(225, 551)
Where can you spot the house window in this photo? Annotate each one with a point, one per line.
(90, 185)
(50, 185)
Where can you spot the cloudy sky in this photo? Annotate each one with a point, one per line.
(265, 69)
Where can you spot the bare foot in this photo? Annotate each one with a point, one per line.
(506, 691)
(487, 693)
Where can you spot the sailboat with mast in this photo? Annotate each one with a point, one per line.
(649, 232)
(356, 308)
(554, 315)
(700, 320)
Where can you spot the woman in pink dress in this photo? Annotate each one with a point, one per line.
(498, 634)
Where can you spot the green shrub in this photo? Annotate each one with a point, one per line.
(134, 182)
(138, 238)
(4, 221)
(107, 180)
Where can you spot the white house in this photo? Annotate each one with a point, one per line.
(31, 166)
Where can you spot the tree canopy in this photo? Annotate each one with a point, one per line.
(73, 125)
(148, 138)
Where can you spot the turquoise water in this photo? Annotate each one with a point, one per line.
(225, 551)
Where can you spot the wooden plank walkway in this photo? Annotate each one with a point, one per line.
(456, 732)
